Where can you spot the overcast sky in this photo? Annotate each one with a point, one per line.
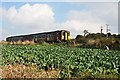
(32, 17)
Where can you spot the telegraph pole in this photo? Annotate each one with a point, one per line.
(101, 29)
(107, 30)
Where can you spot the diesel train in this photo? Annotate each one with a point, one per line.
(53, 36)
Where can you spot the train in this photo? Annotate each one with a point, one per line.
(53, 36)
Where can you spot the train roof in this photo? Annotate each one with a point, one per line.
(39, 33)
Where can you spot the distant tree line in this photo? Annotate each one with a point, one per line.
(99, 40)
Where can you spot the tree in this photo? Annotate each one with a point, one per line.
(85, 32)
(79, 36)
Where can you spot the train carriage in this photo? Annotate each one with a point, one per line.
(59, 35)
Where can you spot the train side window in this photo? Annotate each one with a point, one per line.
(52, 34)
(39, 36)
(43, 36)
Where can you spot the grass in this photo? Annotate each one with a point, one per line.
(31, 71)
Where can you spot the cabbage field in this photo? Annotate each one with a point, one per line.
(71, 61)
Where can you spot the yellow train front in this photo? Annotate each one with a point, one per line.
(65, 35)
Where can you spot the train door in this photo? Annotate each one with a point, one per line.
(62, 35)
(47, 36)
(57, 36)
